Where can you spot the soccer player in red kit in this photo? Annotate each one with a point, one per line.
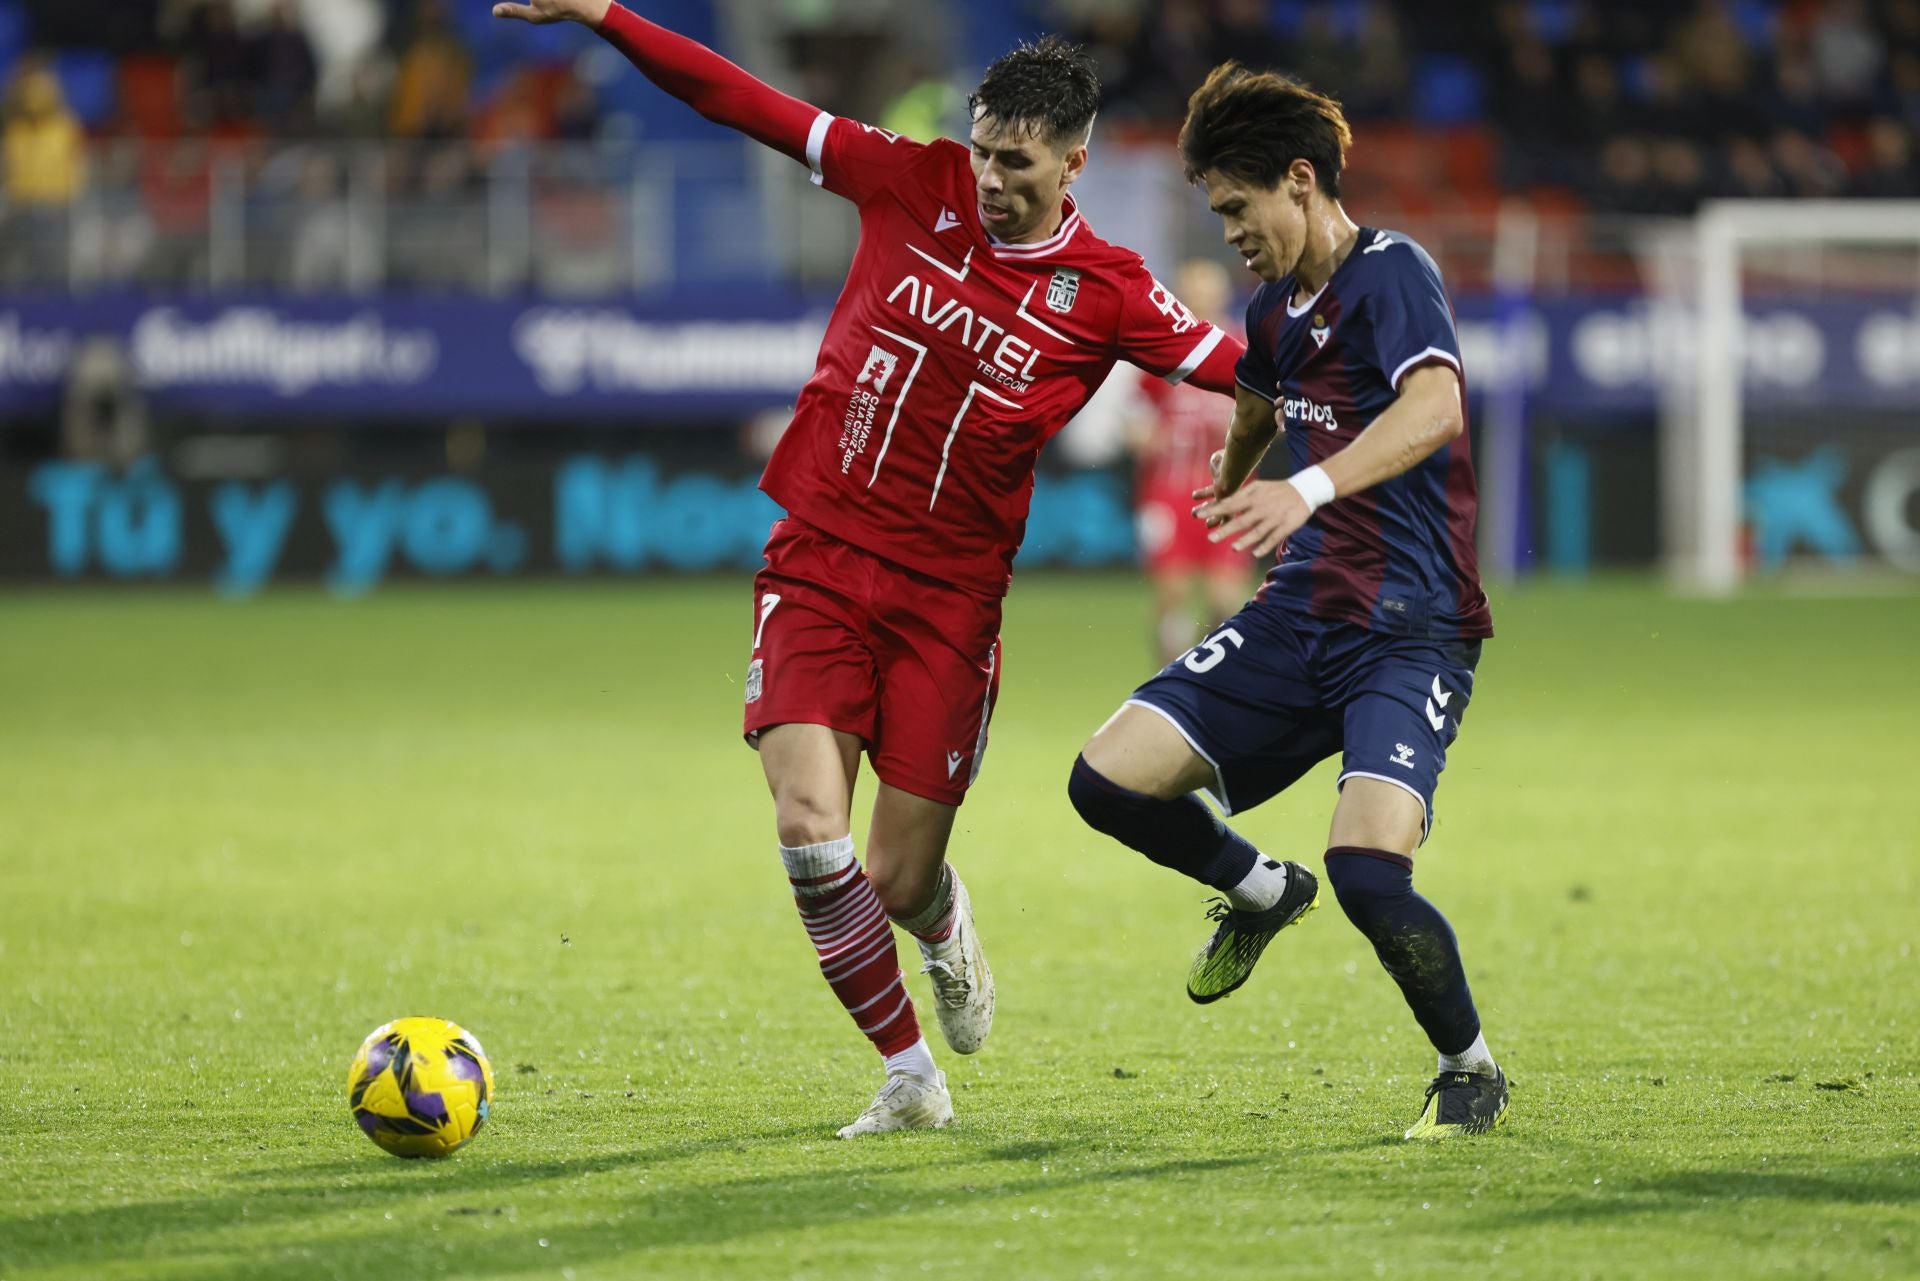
(1178, 430)
(979, 315)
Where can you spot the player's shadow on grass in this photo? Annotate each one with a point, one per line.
(1894, 1182)
(454, 1218)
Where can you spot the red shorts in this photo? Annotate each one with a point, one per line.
(849, 640)
(1173, 539)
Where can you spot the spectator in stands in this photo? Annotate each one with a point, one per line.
(1323, 56)
(1381, 76)
(220, 70)
(1709, 52)
(431, 89)
(1531, 100)
(361, 111)
(928, 107)
(1679, 176)
(1174, 54)
(324, 237)
(1622, 181)
(1903, 88)
(1848, 52)
(576, 112)
(1749, 174)
(1599, 113)
(1809, 168)
(46, 167)
(1794, 102)
(287, 73)
(1115, 39)
(1243, 32)
(1888, 172)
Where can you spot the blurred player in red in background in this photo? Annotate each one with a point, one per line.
(1173, 435)
(979, 315)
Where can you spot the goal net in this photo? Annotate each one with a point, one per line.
(1790, 403)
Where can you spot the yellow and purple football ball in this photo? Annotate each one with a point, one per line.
(420, 1087)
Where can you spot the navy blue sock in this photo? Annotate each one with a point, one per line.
(1411, 938)
(1182, 833)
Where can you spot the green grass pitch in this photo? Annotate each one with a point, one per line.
(1678, 840)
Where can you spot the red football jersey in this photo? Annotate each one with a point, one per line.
(1188, 426)
(952, 357)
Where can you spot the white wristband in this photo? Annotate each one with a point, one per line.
(1314, 485)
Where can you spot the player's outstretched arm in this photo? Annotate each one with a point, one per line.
(541, 12)
(1262, 514)
(688, 70)
(1251, 430)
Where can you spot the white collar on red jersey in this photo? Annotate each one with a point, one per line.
(1040, 249)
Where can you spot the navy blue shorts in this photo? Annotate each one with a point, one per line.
(1272, 693)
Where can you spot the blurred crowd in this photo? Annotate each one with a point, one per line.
(235, 69)
(1634, 106)
(1613, 106)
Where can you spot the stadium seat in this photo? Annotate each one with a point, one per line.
(149, 96)
(1446, 90)
(1288, 16)
(1472, 157)
(1755, 18)
(1553, 20)
(13, 33)
(87, 78)
(1390, 149)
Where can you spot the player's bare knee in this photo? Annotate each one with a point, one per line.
(804, 819)
(1139, 751)
(1376, 815)
(902, 887)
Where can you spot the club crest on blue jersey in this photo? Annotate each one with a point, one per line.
(1063, 289)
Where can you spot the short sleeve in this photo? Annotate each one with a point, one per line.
(1255, 371)
(856, 160)
(1160, 333)
(1410, 323)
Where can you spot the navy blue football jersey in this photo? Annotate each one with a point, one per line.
(1397, 558)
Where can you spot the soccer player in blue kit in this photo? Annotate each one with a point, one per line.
(1364, 637)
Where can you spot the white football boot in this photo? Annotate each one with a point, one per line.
(904, 1103)
(962, 980)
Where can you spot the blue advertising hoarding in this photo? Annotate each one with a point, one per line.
(730, 355)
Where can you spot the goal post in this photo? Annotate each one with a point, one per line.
(1702, 450)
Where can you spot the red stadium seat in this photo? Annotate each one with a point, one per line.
(149, 95)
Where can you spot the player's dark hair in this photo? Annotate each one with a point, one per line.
(1048, 88)
(1251, 125)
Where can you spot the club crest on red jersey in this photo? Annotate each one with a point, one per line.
(1063, 289)
(878, 369)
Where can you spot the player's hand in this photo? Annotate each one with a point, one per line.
(542, 12)
(1258, 517)
(1205, 493)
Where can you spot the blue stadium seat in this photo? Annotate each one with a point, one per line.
(1636, 80)
(1447, 90)
(1289, 16)
(994, 26)
(13, 38)
(1754, 18)
(1553, 20)
(13, 28)
(90, 83)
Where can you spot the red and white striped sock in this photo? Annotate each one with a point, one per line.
(854, 941)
